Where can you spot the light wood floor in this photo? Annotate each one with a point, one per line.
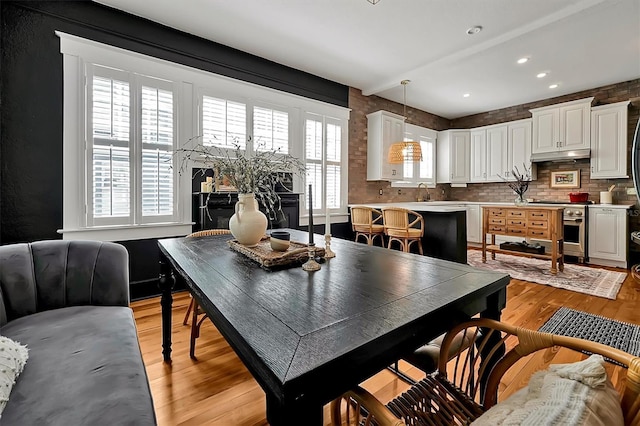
(217, 389)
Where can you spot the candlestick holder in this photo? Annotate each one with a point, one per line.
(328, 253)
(311, 264)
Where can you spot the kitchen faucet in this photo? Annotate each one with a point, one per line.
(424, 185)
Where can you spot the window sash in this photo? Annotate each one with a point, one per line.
(324, 148)
(130, 175)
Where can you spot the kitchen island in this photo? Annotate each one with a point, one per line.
(445, 228)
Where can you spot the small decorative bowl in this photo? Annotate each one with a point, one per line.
(280, 240)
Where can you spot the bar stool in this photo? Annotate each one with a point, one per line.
(367, 222)
(404, 226)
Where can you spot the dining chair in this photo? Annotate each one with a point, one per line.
(367, 222)
(193, 308)
(404, 226)
(465, 387)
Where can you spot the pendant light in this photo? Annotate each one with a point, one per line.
(403, 151)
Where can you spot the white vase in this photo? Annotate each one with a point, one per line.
(248, 224)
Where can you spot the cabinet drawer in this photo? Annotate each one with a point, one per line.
(516, 231)
(497, 221)
(538, 224)
(497, 213)
(538, 233)
(538, 215)
(516, 214)
(517, 223)
(497, 229)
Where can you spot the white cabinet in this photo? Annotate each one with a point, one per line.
(496, 150)
(478, 161)
(383, 129)
(609, 141)
(562, 127)
(425, 170)
(453, 157)
(488, 161)
(474, 225)
(608, 236)
(519, 148)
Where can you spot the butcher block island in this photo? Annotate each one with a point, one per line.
(542, 223)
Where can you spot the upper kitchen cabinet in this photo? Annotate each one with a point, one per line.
(453, 157)
(609, 141)
(519, 148)
(488, 162)
(425, 170)
(383, 129)
(561, 127)
(496, 150)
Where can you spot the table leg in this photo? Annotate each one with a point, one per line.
(293, 414)
(166, 283)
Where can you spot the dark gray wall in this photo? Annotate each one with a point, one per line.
(31, 103)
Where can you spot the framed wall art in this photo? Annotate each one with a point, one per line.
(565, 179)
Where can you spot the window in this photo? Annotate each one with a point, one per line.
(125, 114)
(424, 170)
(131, 136)
(324, 151)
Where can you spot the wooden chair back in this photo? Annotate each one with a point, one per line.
(399, 219)
(208, 232)
(467, 385)
(363, 218)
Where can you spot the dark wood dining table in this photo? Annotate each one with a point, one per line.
(307, 337)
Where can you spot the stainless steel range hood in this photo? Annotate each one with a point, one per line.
(561, 155)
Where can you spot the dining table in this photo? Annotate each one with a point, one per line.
(307, 337)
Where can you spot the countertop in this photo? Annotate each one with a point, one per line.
(436, 206)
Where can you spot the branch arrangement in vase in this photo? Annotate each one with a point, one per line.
(255, 173)
(521, 183)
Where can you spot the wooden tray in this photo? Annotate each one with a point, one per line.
(296, 254)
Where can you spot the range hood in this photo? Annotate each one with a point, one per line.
(576, 154)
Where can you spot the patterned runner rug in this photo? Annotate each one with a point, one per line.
(573, 323)
(583, 279)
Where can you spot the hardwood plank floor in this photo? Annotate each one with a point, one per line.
(216, 389)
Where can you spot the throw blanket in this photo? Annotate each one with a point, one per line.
(566, 394)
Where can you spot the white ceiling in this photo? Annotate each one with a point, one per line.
(581, 44)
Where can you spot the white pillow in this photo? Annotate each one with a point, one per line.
(573, 394)
(13, 357)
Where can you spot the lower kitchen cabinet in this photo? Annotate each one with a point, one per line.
(608, 236)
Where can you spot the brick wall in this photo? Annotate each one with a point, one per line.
(362, 191)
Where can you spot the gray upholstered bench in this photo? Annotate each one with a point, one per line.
(68, 302)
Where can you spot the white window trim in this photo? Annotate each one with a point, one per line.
(191, 82)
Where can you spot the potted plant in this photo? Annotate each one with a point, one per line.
(520, 185)
(254, 175)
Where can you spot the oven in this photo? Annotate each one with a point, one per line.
(574, 222)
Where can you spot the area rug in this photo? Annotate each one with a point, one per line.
(573, 323)
(593, 281)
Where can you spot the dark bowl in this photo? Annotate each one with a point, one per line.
(281, 235)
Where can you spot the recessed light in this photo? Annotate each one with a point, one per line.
(553, 86)
(474, 30)
(522, 60)
(541, 75)
(466, 95)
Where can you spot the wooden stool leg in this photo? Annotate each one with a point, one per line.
(186, 316)
(195, 330)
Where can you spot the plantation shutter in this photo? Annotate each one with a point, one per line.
(223, 123)
(313, 162)
(110, 147)
(333, 165)
(270, 130)
(157, 135)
